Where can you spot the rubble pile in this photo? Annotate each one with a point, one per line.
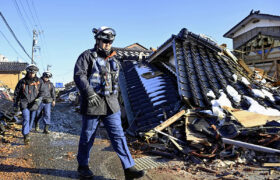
(201, 104)
(69, 94)
(7, 113)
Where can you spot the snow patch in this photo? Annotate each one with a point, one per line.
(211, 94)
(268, 94)
(234, 76)
(245, 81)
(258, 93)
(233, 93)
(257, 108)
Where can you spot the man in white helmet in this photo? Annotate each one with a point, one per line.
(48, 100)
(27, 97)
(96, 76)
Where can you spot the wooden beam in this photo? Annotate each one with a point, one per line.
(271, 165)
(164, 125)
(268, 51)
(250, 119)
(261, 61)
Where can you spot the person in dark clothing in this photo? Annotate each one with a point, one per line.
(96, 76)
(28, 99)
(48, 100)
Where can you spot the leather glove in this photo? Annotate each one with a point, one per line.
(94, 100)
(36, 104)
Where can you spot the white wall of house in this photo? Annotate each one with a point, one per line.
(262, 23)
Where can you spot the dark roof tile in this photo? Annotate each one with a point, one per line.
(12, 66)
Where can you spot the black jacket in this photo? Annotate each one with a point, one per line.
(82, 72)
(27, 91)
(47, 91)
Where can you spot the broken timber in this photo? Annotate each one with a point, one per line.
(250, 119)
(163, 125)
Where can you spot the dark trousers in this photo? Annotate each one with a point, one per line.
(113, 126)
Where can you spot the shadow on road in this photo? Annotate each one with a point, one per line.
(46, 171)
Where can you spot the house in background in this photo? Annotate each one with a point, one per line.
(256, 40)
(132, 52)
(11, 73)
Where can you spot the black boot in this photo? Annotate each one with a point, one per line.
(133, 173)
(26, 139)
(36, 127)
(46, 129)
(85, 172)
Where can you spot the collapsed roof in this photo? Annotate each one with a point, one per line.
(193, 70)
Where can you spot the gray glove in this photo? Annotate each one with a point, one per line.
(94, 100)
(36, 104)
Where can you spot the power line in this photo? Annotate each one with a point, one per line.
(12, 32)
(26, 14)
(22, 18)
(12, 46)
(30, 12)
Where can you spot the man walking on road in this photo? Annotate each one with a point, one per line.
(48, 100)
(27, 97)
(96, 76)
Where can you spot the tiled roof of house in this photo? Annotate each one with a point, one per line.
(200, 69)
(12, 66)
(136, 46)
(131, 54)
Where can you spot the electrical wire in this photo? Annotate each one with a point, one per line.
(26, 14)
(11, 45)
(22, 18)
(30, 12)
(12, 32)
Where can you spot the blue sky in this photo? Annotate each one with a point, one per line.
(67, 25)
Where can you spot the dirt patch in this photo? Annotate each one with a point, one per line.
(11, 166)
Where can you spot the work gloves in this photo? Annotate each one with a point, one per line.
(94, 100)
(36, 104)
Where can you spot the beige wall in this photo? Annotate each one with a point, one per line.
(10, 80)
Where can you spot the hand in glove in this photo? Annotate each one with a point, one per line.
(36, 105)
(94, 100)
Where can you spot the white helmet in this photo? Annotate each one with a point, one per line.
(104, 33)
(32, 68)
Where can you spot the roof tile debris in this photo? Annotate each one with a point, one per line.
(208, 97)
(152, 95)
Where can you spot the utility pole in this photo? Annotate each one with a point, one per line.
(48, 67)
(35, 35)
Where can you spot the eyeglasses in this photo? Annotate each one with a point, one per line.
(106, 41)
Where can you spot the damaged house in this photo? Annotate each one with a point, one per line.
(192, 91)
(256, 39)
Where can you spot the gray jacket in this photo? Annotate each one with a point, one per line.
(47, 91)
(84, 68)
